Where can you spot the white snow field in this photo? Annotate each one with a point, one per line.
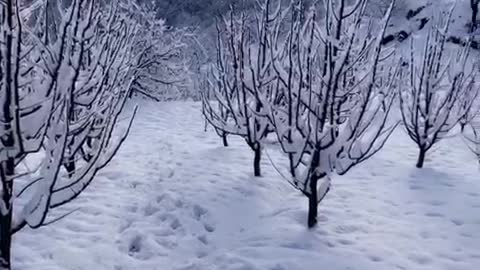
(174, 198)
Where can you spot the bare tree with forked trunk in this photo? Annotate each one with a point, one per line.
(336, 91)
(61, 99)
(438, 91)
(243, 70)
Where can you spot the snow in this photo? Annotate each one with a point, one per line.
(174, 198)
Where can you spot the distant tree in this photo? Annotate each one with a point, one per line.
(240, 73)
(196, 13)
(160, 68)
(437, 90)
(470, 105)
(220, 113)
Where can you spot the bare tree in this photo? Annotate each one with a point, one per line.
(470, 105)
(221, 113)
(240, 73)
(61, 98)
(334, 98)
(472, 137)
(437, 92)
(160, 67)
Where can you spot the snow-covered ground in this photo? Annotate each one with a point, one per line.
(174, 198)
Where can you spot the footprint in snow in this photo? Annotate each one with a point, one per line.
(132, 208)
(208, 227)
(346, 242)
(150, 209)
(112, 175)
(457, 222)
(346, 229)
(434, 214)
(201, 254)
(436, 203)
(416, 187)
(135, 184)
(203, 239)
(473, 194)
(128, 223)
(135, 245)
(199, 211)
(420, 259)
(375, 258)
(175, 224)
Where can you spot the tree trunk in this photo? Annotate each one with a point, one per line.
(256, 162)
(421, 158)
(5, 240)
(7, 171)
(224, 139)
(474, 6)
(473, 27)
(70, 166)
(313, 202)
(292, 166)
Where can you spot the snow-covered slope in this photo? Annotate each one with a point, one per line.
(175, 199)
(416, 17)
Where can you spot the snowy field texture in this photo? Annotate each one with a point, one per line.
(174, 198)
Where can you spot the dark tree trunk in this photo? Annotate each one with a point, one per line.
(292, 166)
(474, 6)
(7, 167)
(7, 172)
(85, 155)
(474, 20)
(421, 158)
(70, 166)
(256, 162)
(313, 202)
(224, 139)
(5, 240)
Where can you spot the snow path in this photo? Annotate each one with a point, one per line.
(175, 199)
